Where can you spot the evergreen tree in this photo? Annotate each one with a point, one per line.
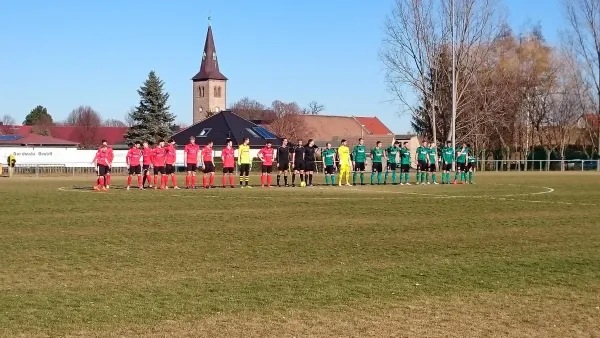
(38, 115)
(151, 118)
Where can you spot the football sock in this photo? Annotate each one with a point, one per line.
(193, 180)
(278, 179)
(204, 181)
(128, 180)
(223, 181)
(456, 176)
(423, 175)
(326, 179)
(394, 177)
(387, 174)
(212, 180)
(293, 178)
(107, 179)
(164, 181)
(406, 177)
(301, 177)
(247, 179)
(378, 178)
(144, 179)
(101, 181)
(174, 180)
(433, 178)
(462, 176)
(310, 176)
(262, 179)
(241, 180)
(332, 179)
(470, 176)
(155, 180)
(187, 181)
(269, 178)
(372, 178)
(418, 177)
(140, 183)
(354, 178)
(426, 177)
(362, 178)
(285, 179)
(231, 180)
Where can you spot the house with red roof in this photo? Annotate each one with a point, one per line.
(67, 135)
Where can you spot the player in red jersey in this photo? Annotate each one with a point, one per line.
(158, 162)
(102, 164)
(228, 157)
(266, 155)
(147, 163)
(110, 157)
(191, 155)
(170, 163)
(208, 163)
(134, 167)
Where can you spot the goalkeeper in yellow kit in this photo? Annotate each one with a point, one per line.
(344, 163)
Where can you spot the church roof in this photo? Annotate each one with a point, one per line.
(226, 125)
(209, 68)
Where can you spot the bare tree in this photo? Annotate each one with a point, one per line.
(8, 123)
(129, 121)
(583, 40)
(288, 121)
(313, 108)
(251, 109)
(86, 122)
(114, 123)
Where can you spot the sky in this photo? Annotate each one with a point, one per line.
(65, 53)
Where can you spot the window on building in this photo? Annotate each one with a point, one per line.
(204, 132)
(252, 132)
(201, 91)
(216, 92)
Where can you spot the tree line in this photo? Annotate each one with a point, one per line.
(516, 93)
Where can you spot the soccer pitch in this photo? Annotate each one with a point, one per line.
(515, 255)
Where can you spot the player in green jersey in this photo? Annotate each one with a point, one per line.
(359, 156)
(471, 167)
(432, 163)
(377, 156)
(404, 163)
(328, 155)
(447, 160)
(422, 165)
(392, 162)
(461, 163)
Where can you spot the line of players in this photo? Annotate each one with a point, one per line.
(161, 159)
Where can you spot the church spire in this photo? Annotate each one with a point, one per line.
(209, 68)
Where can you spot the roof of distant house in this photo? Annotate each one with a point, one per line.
(34, 139)
(374, 126)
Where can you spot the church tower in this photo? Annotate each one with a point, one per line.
(209, 85)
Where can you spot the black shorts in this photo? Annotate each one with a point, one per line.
(159, 170)
(228, 170)
(191, 167)
(359, 166)
(170, 169)
(447, 166)
(405, 168)
(329, 169)
(392, 166)
(377, 167)
(245, 169)
(299, 166)
(309, 166)
(135, 170)
(422, 165)
(267, 169)
(108, 169)
(283, 166)
(432, 167)
(208, 167)
(146, 168)
(470, 166)
(102, 170)
(461, 166)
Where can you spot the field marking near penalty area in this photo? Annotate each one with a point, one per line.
(500, 197)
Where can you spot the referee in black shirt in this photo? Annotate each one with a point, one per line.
(283, 162)
(298, 161)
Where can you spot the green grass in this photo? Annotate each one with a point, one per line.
(514, 255)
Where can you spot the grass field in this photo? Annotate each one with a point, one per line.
(516, 255)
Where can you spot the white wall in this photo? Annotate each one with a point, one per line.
(71, 157)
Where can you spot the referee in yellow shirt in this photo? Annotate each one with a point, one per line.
(244, 160)
(344, 163)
